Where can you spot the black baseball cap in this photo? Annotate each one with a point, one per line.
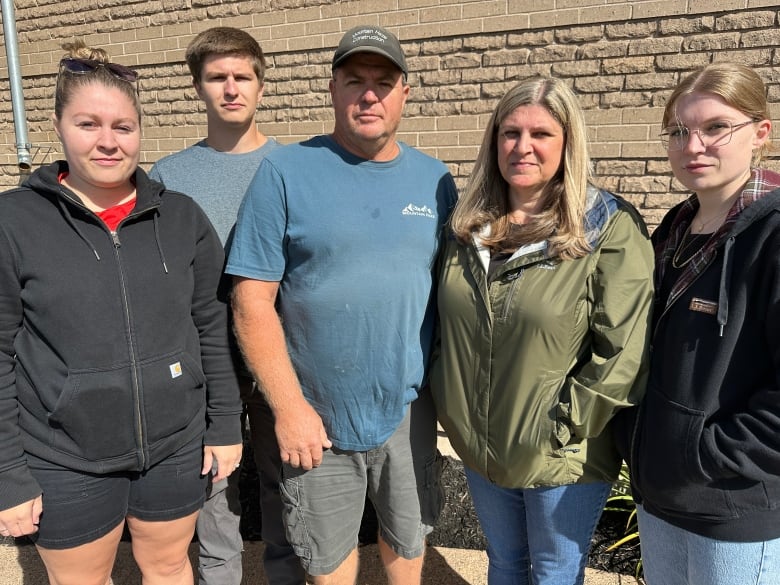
(370, 39)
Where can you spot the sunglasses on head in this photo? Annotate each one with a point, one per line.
(84, 66)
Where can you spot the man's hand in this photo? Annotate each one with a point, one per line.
(22, 519)
(227, 458)
(298, 427)
(301, 435)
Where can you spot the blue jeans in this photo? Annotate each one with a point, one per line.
(538, 536)
(674, 556)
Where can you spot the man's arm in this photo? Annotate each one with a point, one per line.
(299, 429)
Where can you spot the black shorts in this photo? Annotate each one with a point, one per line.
(80, 507)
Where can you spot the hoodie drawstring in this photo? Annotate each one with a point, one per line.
(159, 245)
(725, 282)
(71, 223)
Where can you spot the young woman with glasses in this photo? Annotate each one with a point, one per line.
(704, 444)
(115, 369)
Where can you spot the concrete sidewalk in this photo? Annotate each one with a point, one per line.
(20, 565)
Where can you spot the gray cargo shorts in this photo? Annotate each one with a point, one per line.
(323, 507)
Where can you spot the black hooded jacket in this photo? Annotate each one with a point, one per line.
(113, 346)
(704, 446)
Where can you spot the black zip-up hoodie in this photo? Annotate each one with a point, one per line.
(705, 450)
(108, 341)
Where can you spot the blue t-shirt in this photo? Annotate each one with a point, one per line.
(353, 245)
(216, 180)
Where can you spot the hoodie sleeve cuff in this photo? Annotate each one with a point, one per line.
(223, 430)
(17, 486)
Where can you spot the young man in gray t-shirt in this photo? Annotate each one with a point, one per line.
(227, 67)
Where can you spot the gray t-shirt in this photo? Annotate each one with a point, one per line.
(217, 181)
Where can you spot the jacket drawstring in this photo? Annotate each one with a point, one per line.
(159, 245)
(725, 282)
(71, 223)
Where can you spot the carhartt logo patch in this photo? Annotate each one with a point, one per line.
(175, 370)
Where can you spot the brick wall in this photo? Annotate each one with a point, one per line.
(622, 58)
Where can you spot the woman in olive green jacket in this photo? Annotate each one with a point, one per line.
(544, 297)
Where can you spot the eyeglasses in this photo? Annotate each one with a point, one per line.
(85, 66)
(717, 133)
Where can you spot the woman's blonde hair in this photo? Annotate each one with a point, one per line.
(561, 219)
(736, 84)
(68, 83)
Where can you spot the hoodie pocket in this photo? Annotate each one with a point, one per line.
(668, 466)
(174, 393)
(94, 417)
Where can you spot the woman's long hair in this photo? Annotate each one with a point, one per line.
(485, 199)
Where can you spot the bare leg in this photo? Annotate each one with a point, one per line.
(160, 549)
(345, 574)
(88, 564)
(400, 571)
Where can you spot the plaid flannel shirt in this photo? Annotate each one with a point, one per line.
(761, 182)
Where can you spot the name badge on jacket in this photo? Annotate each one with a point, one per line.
(703, 306)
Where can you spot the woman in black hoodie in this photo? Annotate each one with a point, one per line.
(117, 389)
(704, 453)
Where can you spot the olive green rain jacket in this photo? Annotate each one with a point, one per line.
(532, 365)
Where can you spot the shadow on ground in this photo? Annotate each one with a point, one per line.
(458, 526)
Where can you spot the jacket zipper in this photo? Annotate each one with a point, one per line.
(140, 435)
(131, 347)
(679, 294)
(130, 338)
(635, 430)
(633, 474)
(514, 277)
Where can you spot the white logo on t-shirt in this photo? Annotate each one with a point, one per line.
(421, 211)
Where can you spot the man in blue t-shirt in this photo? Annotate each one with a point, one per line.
(227, 67)
(333, 260)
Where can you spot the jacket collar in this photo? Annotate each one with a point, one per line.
(761, 183)
(600, 205)
(46, 180)
(753, 202)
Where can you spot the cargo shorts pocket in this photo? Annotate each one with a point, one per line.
(292, 514)
(432, 493)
